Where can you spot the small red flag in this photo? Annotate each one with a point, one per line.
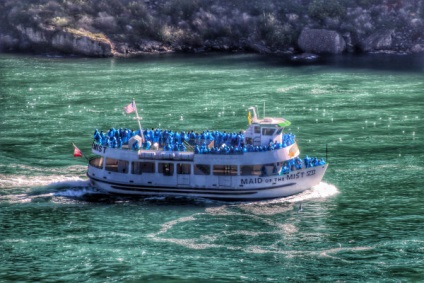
(77, 152)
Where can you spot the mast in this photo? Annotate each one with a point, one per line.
(255, 116)
(138, 120)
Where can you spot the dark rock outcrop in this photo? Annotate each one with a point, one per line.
(67, 40)
(417, 48)
(378, 41)
(321, 41)
(81, 44)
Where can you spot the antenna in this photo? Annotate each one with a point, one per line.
(326, 152)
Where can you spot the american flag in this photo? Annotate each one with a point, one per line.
(130, 108)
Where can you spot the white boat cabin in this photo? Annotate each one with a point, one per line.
(262, 132)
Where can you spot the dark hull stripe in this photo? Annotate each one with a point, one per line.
(204, 191)
(182, 191)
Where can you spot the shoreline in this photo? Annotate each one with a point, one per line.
(279, 53)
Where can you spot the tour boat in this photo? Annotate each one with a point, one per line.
(261, 162)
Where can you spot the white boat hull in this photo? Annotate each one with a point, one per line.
(221, 187)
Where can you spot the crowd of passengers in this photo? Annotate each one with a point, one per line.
(293, 165)
(206, 142)
(223, 143)
(297, 164)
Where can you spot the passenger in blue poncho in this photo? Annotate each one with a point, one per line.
(136, 146)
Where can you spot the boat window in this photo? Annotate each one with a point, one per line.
(115, 165)
(97, 162)
(202, 169)
(112, 164)
(143, 167)
(279, 131)
(166, 169)
(268, 131)
(123, 166)
(225, 170)
(257, 130)
(251, 170)
(183, 168)
(270, 169)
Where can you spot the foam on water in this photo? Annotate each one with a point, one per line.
(19, 181)
(72, 193)
(24, 169)
(77, 192)
(24, 189)
(257, 212)
(321, 191)
(214, 240)
(325, 253)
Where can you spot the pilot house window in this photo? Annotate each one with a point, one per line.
(268, 131)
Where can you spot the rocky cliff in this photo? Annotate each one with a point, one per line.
(48, 39)
(121, 27)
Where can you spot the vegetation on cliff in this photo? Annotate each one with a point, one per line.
(132, 26)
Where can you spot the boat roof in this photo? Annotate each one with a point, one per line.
(280, 122)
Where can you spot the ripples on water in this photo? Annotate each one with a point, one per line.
(362, 223)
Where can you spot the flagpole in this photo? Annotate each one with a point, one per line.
(138, 120)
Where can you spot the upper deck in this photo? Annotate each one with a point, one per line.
(262, 136)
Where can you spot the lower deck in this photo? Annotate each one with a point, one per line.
(185, 172)
(216, 187)
(149, 177)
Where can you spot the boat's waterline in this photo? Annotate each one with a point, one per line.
(236, 188)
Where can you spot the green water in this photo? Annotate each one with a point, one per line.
(363, 223)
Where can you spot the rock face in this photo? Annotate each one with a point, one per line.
(321, 41)
(71, 43)
(378, 41)
(67, 41)
(126, 28)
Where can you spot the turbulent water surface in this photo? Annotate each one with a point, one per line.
(363, 223)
